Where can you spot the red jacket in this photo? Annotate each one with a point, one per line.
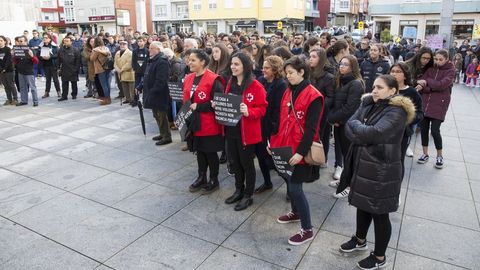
(203, 94)
(255, 97)
(289, 132)
(436, 96)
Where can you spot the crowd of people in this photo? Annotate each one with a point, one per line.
(367, 98)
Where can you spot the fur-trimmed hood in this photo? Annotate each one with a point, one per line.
(396, 100)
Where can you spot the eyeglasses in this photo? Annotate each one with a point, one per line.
(396, 71)
(366, 44)
(426, 58)
(344, 65)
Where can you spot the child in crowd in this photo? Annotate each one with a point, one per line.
(458, 63)
(472, 73)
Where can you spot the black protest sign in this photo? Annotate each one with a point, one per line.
(20, 51)
(176, 90)
(227, 109)
(180, 121)
(281, 156)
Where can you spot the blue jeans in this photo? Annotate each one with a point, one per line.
(103, 78)
(27, 82)
(138, 79)
(299, 203)
(38, 69)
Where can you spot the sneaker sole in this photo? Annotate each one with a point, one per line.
(422, 161)
(355, 249)
(286, 222)
(373, 268)
(299, 243)
(438, 167)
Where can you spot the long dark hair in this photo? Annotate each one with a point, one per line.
(222, 64)
(87, 44)
(98, 42)
(318, 71)
(247, 69)
(406, 72)
(415, 65)
(355, 70)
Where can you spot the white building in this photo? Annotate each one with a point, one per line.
(171, 16)
(422, 17)
(93, 15)
(17, 16)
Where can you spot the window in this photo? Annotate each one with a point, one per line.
(81, 12)
(462, 29)
(160, 10)
(212, 4)
(228, 3)
(344, 4)
(69, 14)
(308, 5)
(246, 4)
(267, 3)
(48, 4)
(93, 11)
(182, 11)
(48, 16)
(432, 27)
(106, 11)
(212, 27)
(409, 23)
(68, 3)
(197, 5)
(62, 16)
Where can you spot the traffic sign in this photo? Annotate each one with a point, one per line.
(360, 25)
(279, 25)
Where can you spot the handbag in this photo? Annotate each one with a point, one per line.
(316, 154)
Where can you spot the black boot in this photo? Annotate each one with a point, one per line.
(223, 158)
(244, 203)
(237, 196)
(199, 183)
(211, 186)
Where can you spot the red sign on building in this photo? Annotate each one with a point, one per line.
(101, 18)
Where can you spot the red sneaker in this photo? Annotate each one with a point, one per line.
(288, 218)
(301, 237)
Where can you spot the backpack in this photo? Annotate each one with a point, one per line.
(108, 65)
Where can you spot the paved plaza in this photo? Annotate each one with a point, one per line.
(81, 187)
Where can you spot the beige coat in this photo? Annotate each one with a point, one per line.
(99, 56)
(123, 66)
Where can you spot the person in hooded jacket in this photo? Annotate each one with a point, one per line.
(242, 138)
(373, 66)
(349, 89)
(373, 166)
(68, 62)
(436, 89)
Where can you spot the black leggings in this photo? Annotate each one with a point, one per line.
(241, 161)
(425, 127)
(208, 160)
(382, 226)
(264, 161)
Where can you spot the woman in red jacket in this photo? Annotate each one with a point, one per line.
(300, 114)
(435, 87)
(199, 88)
(241, 139)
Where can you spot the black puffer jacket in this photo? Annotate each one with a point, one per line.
(373, 166)
(371, 70)
(346, 99)
(156, 94)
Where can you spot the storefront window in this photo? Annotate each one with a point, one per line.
(432, 27)
(462, 29)
(410, 23)
(212, 27)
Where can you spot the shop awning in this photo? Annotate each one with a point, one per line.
(246, 24)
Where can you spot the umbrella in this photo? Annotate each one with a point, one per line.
(140, 110)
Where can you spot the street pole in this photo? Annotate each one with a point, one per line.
(445, 29)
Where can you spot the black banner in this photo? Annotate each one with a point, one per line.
(227, 109)
(182, 115)
(176, 91)
(281, 156)
(20, 51)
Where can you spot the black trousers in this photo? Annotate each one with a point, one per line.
(65, 88)
(404, 146)
(208, 160)
(338, 147)
(265, 161)
(51, 73)
(383, 229)
(344, 144)
(435, 124)
(241, 162)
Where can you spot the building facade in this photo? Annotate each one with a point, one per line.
(171, 16)
(420, 18)
(311, 14)
(52, 15)
(17, 16)
(347, 12)
(215, 16)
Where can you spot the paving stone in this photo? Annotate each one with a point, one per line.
(41, 165)
(155, 203)
(84, 151)
(176, 155)
(6, 145)
(32, 136)
(111, 188)
(224, 258)
(473, 171)
(91, 133)
(324, 253)
(407, 261)
(475, 190)
(54, 143)
(151, 169)
(428, 171)
(9, 179)
(121, 124)
(22, 249)
(118, 139)
(442, 209)
(20, 197)
(24, 118)
(105, 233)
(114, 159)
(67, 127)
(427, 238)
(443, 185)
(471, 148)
(18, 155)
(177, 251)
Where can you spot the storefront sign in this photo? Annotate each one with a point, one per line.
(123, 17)
(176, 90)
(476, 31)
(101, 18)
(227, 109)
(410, 32)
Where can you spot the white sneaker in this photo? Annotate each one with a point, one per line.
(342, 194)
(337, 173)
(334, 183)
(409, 152)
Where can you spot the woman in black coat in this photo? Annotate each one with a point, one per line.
(373, 166)
(275, 84)
(349, 90)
